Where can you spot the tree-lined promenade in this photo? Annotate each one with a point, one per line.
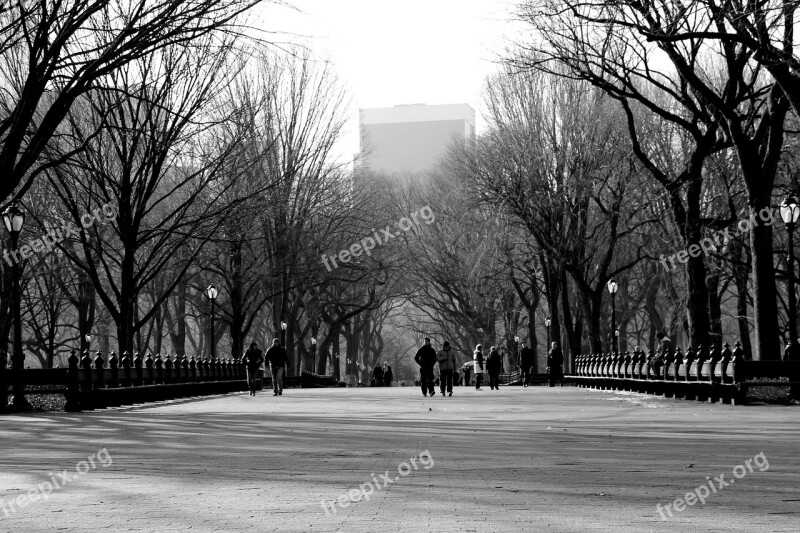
(601, 207)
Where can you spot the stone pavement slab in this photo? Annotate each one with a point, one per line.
(533, 459)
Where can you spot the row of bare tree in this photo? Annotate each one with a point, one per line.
(218, 153)
(622, 133)
(617, 135)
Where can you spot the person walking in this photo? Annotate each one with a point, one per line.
(480, 366)
(278, 361)
(554, 361)
(525, 362)
(426, 359)
(494, 364)
(467, 371)
(253, 358)
(664, 349)
(447, 368)
(377, 376)
(387, 376)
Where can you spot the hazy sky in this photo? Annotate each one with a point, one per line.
(391, 52)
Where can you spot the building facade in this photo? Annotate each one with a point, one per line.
(412, 138)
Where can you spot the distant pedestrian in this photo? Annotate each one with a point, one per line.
(664, 344)
(480, 366)
(525, 362)
(387, 376)
(664, 349)
(738, 353)
(467, 371)
(278, 361)
(426, 359)
(377, 376)
(253, 358)
(555, 360)
(447, 368)
(494, 364)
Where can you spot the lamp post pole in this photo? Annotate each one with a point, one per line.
(14, 220)
(792, 302)
(212, 293)
(547, 323)
(283, 343)
(790, 212)
(313, 355)
(612, 288)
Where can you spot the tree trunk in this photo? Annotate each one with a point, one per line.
(714, 309)
(337, 354)
(532, 340)
(764, 294)
(572, 347)
(127, 305)
(699, 324)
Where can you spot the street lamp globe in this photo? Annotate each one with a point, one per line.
(313, 341)
(283, 326)
(547, 322)
(790, 210)
(516, 339)
(212, 292)
(612, 286)
(14, 219)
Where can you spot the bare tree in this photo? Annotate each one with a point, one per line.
(54, 53)
(148, 155)
(611, 46)
(556, 159)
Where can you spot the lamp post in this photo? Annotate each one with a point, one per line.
(88, 338)
(313, 355)
(612, 288)
(790, 212)
(516, 349)
(14, 219)
(212, 293)
(547, 323)
(283, 326)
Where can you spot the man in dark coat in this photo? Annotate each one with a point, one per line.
(377, 376)
(494, 365)
(253, 358)
(555, 360)
(525, 362)
(387, 376)
(426, 359)
(278, 361)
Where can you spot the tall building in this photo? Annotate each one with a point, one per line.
(412, 138)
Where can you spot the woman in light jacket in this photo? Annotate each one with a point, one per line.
(480, 366)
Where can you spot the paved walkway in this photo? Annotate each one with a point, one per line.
(535, 459)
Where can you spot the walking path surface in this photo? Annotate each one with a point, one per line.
(533, 459)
